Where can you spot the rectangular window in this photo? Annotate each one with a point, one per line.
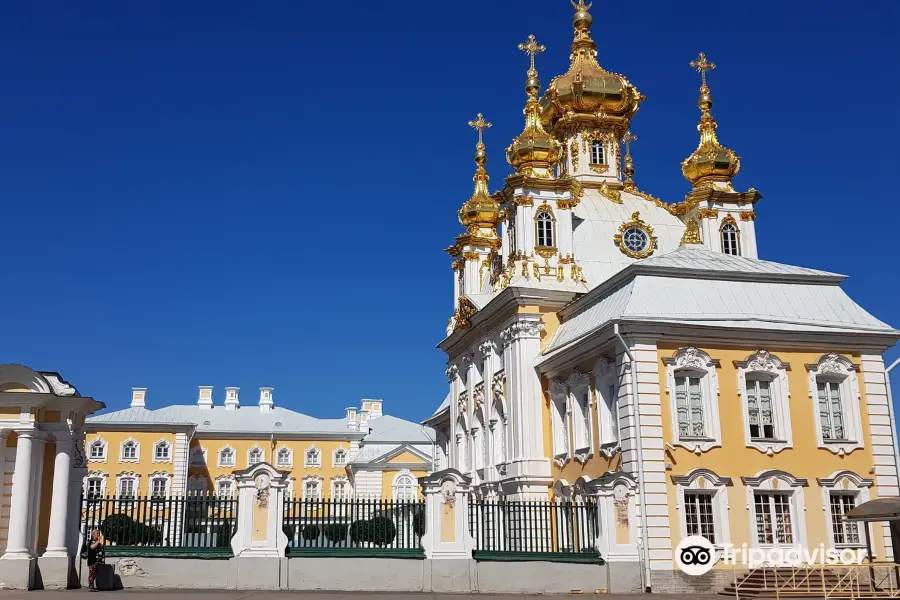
(223, 489)
(158, 488)
(761, 414)
(94, 488)
(97, 450)
(845, 532)
(598, 156)
(126, 489)
(773, 518)
(311, 490)
(689, 402)
(162, 452)
(831, 411)
(583, 432)
(698, 515)
(340, 490)
(560, 427)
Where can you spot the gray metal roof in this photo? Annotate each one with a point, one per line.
(392, 429)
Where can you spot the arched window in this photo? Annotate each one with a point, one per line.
(404, 487)
(598, 153)
(544, 229)
(313, 457)
(130, 451)
(254, 457)
(226, 457)
(340, 457)
(284, 457)
(162, 452)
(730, 238)
(97, 450)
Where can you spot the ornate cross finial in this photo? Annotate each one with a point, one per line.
(581, 6)
(628, 138)
(703, 65)
(479, 125)
(531, 48)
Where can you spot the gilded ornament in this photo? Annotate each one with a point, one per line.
(464, 311)
(559, 273)
(691, 234)
(748, 216)
(480, 214)
(599, 169)
(573, 151)
(707, 213)
(611, 194)
(729, 220)
(523, 201)
(537, 272)
(622, 240)
(545, 252)
(471, 256)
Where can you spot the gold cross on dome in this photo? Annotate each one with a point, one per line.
(628, 138)
(703, 65)
(531, 48)
(479, 125)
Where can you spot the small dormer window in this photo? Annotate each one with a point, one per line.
(598, 153)
(545, 229)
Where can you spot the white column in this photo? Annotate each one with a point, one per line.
(20, 511)
(59, 507)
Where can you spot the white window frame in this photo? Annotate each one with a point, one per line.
(225, 479)
(262, 455)
(105, 450)
(334, 457)
(691, 362)
(315, 479)
(846, 482)
(602, 145)
(290, 457)
(549, 232)
(135, 478)
(233, 462)
(99, 476)
(348, 491)
(156, 446)
(315, 463)
(838, 369)
(777, 481)
(705, 481)
(731, 226)
(498, 422)
(159, 476)
(197, 451)
(582, 415)
(402, 481)
(606, 391)
(559, 420)
(137, 451)
(764, 365)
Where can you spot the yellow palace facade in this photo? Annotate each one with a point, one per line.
(195, 449)
(608, 344)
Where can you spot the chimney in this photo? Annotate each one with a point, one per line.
(231, 398)
(204, 400)
(351, 418)
(266, 402)
(373, 406)
(138, 397)
(364, 420)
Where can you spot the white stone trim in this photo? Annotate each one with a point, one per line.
(341, 479)
(334, 461)
(233, 462)
(167, 443)
(407, 475)
(579, 387)
(705, 480)
(290, 457)
(762, 364)
(251, 450)
(844, 481)
(559, 421)
(691, 361)
(160, 475)
(312, 464)
(314, 478)
(137, 451)
(607, 408)
(105, 446)
(230, 479)
(839, 369)
(128, 475)
(778, 481)
(101, 475)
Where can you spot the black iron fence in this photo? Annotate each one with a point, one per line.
(534, 527)
(354, 526)
(192, 522)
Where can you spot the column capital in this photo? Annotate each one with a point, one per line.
(522, 329)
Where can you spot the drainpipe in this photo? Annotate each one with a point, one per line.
(645, 572)
(887, 381)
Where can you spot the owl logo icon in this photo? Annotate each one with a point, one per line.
(695, 555)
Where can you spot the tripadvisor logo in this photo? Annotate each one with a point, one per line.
(695, 555)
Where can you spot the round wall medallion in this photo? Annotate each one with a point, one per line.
(635, 238)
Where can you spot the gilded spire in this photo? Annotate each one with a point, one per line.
(582, 22)
(711, 164)
(629, 164)
(480, 213)
(534, 148)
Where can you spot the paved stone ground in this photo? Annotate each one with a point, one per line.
(264, 595)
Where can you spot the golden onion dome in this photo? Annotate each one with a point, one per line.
(534, 148)
(587, 88)
(711, 164)
(480, 214)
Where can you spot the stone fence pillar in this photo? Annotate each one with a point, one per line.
(447, 515)
(261, 490)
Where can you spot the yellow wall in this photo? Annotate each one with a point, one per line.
(387, 480)
(145, 465)
(734, 459)
(46, 493)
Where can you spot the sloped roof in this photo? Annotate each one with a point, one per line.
(393, 429)
(695, 286)
(376, 453)
(444, 407)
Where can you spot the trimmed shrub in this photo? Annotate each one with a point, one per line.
(382, 531)
(335, 532)
(224, 533)
(310, 532)
(359, 531)
(418, 523)
(122, 530)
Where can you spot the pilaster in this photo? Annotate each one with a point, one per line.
(180, 457)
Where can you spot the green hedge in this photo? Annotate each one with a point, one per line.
(380, 531)
(122, 530)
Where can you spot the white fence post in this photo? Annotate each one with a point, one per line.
(447, 515)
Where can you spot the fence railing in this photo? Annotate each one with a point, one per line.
(354, 526)
(535, 529)
(196, 522)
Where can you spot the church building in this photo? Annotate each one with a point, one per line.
(607, 343)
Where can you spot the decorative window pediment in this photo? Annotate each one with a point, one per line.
(130, 451)
(834, 390)
(559, 417)
(765, 394)
(227, 457)
(606, 392)
(693, 387)
(162, 451)
(255, 455)
(841, 492)
(703, 503)
(582, 419)
(284, 457)
(312, 458)
(340, 457)
(225, 486)
(97, 451)
(777, 506)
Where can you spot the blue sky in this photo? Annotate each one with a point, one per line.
(259, 193)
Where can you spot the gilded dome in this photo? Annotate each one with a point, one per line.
(711, 164)
(480, 214)
(587, 88)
